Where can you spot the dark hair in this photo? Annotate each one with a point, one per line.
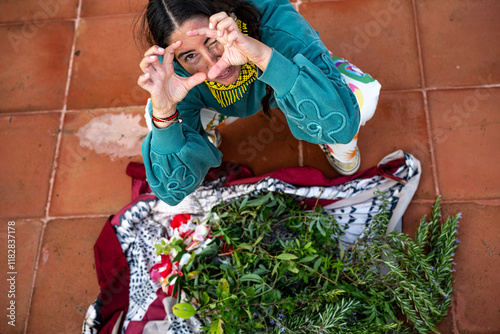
(161, 18)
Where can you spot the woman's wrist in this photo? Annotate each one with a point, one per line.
(164, 117)
(163, 112)
(263, 58)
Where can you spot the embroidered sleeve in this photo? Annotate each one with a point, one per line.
(178, 158)
(320, 108)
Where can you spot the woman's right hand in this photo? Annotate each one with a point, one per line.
(159, 79)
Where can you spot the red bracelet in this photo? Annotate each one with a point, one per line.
(174, 118)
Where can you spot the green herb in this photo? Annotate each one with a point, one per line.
(272, 267)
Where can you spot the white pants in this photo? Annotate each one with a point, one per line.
(367, 91)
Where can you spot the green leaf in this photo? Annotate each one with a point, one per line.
(216, 327)
(308, 258)
(231, 274)
(275, 269)
(259, 239)
(317, 263)
(244, 202)
(184, 310)
(320, 229)
(245, 246)
(342, 250)
(179, 256)
(286, 256)
(251, 278)
(159, 249)
(209, 251)
(193, 274)
(271, 296)
(205, 298)
(190, 262)
(250, 292)
(223, 285)
(260, 200)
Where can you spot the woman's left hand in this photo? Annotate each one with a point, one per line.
(239, 48)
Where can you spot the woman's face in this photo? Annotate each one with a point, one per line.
(199, 53)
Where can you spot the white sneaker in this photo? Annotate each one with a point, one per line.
(343, 168)
(215, 137)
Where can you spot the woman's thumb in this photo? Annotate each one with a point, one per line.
(195, 80)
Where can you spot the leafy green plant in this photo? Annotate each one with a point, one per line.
(272, 267)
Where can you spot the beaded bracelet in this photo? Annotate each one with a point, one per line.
(174, 118)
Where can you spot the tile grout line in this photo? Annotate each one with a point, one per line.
(14, 23)
(100, 216)
(434, 89)
(56, 111)
(69, 19)
(54, 166)
(426, 102)
(35, 270)
(64, 110)
(482, 202)
(301, 154)
(111, 16)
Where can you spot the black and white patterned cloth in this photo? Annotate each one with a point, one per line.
(354, 204)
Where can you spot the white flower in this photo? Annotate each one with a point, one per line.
(200, 232)
(173, 253)
(187, 227)
(202, 246)
(184, 260)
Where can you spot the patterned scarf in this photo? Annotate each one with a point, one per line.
(229, 94)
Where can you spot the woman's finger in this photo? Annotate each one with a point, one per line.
(217, 69)
(169, 55)
(144, 81)
(226, 25)
(154, 50)
(203, 32)
(149, 63)
(195, 80)
(232, 37)
(215, 19)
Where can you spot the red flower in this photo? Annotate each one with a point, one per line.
(187, 234)
(179, 220)
(226, 250)
(162, 269)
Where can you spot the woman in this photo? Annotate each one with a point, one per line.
(237, 57)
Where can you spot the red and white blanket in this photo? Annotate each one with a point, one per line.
(130, 302)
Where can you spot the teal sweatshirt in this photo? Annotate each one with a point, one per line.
(318, 105)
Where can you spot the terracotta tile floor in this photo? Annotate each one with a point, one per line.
(71, 121)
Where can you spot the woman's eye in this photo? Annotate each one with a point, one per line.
(190, 57)
(213, 44)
